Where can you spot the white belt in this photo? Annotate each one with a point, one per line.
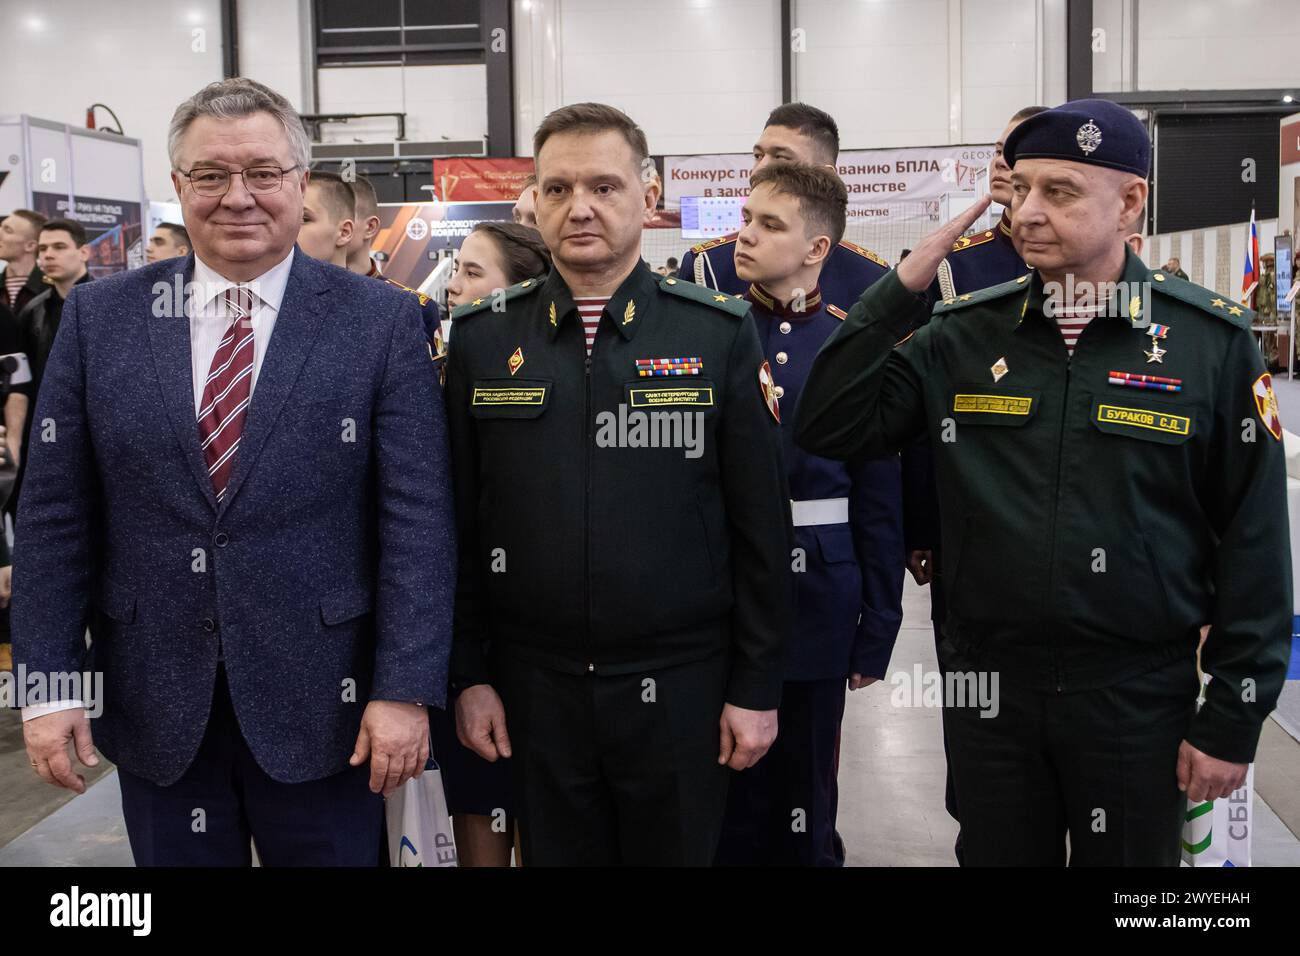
(820, 511)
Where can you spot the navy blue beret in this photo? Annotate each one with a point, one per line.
(1097, 132)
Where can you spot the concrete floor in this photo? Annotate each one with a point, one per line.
(891, 786)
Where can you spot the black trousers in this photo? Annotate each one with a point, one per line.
(614, 770)
(1098, 765)
(781, 811)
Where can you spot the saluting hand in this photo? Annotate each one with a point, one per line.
(1203, 777)
(481, 722)
(746, 735)
(918, 270)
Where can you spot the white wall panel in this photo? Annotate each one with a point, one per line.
(62, 55)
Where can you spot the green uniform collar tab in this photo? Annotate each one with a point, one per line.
(625, 308)
(1129, 299)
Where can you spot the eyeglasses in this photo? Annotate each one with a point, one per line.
(215, 181)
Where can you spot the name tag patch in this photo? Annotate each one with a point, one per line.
(508, 396)
(1144, 418)
(993, 404)
(651, 397)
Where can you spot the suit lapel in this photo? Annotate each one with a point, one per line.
(296, 327)
(169, 339)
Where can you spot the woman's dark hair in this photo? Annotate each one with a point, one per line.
(523, 254)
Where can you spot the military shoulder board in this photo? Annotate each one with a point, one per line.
(864, 252)
(1230, 311)
(983, 295)
(508, 294)
(731, 304)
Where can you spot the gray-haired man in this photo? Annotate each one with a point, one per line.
(241, 493)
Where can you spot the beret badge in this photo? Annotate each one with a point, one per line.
(1088, 137)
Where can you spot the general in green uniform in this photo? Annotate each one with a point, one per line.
(625, 574)
(1097, 509)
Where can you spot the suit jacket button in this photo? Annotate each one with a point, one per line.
(780, 392)
(785, 328)
(782, 358)
(221, 539)
(209, 625)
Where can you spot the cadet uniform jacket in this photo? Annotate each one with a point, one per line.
(847, 516)
(1091, 528)
(849, 269)
(583, 546)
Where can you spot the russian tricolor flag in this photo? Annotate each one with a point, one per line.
(1250, 275)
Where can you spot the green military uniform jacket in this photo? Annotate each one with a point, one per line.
(1089, 528)
(580, 551)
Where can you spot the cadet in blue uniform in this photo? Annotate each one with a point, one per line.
(795, 132)
(429, 311)
(975, 262)
(990, 257)
(848, 536)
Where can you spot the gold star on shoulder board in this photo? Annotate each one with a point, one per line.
(1218, 303)
(964, 298)
(719, 298)
(477, 302)
(1234, 311)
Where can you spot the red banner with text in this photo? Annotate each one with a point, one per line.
(465, 179)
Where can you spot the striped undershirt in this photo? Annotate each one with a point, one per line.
(1072, 321)
(13, 284)
(589, 311)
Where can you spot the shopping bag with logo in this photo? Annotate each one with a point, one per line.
(419, 826)
(1217, 832)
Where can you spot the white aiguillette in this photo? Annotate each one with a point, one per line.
(999, 369)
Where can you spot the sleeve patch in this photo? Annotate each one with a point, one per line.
(1266, 405)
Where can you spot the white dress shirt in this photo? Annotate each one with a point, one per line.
(209, 320)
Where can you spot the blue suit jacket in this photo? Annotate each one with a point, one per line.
(325, 576)
(851, 589)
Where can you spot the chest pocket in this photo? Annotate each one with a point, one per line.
(672, 393)
(993, 405)
(509, 398)
(1143, 419)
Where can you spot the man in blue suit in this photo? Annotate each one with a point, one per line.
(236, 481)
(798, 133)
(848, 535)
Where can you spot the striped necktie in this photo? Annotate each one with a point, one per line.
(228, 388)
